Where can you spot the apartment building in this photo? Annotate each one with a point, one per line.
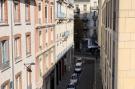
(16, 44)
(64, 30)
(87, 9)
(44, 44)
(117, 39)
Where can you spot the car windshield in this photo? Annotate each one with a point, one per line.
(71, 86)
(74, 77)
(79, 60)
(77, 67)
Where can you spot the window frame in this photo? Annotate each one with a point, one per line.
(16, 14)
(7, 53)
(6, 83)
(17, 38)
(19, 75)
(27, 10)
(3, 12)
(28, 48)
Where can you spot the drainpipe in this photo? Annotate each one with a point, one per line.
(12, 39)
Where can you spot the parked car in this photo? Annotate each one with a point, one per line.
(71, 86)
(78, 69)
(74, 78)
(78, 64)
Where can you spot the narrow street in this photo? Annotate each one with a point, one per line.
(87, 77)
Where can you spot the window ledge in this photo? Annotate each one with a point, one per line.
(28, 55)
(17, 23)
(4, 24)
(6, 68)
(28, 23)
(17, 60)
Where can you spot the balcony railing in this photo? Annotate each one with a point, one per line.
(4, 65)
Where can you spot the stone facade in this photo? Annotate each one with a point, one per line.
(116, 41)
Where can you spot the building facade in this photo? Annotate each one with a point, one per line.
(64, 30)
(84, 8)
(16, 44)
(36, 43)
(44, 43)
(117, 37)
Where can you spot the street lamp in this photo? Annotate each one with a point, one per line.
(28, 66)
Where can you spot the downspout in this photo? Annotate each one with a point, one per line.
(12, 39)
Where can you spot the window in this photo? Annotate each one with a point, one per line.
(4, 52)
(28, 44)
(46, 37)
(85, 7)
(17, 47)
(46, 14)
(52, 56)
(40, 40)
(39, 13)
(3, 11)
(18, 81)
(51, 12)
(51, 34)
(29, 84)
(41, 66)
(6, 85)
(27, 10)
(47, 61)
(17, 10)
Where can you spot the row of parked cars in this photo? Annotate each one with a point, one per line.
(76, 74)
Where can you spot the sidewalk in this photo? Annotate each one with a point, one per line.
(98, 76)
(65, 79)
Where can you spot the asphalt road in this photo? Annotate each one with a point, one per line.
(87, 76)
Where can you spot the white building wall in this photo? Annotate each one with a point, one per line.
(64, 27)
(22, 28)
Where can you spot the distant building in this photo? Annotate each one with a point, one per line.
(64, 30)
(86, 11)
(44, 43)
(117, 40)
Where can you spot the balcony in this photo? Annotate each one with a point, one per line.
(4, 65)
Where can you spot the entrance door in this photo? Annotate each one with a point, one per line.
(57, 74)
(52, 82)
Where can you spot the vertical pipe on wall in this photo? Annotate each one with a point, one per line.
(12, 39)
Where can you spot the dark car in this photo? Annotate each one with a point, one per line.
(71, 86)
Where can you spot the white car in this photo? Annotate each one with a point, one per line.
(74, 78)
(79, 59)
(78, 69)
(78, 64)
